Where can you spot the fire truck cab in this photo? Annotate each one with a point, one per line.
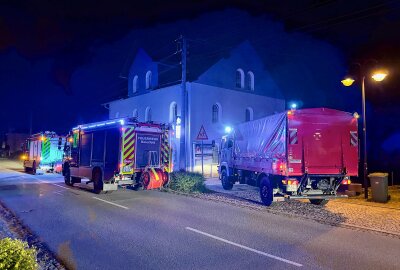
(119, 152)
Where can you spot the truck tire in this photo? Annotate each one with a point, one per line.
(34, 168)
(318, 201)
(97, 182)
(225, 181)
(67, 179)
(145, 180)
(266, 191)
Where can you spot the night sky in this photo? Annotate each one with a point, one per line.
(60, 60)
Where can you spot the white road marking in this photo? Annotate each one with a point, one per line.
(60, 186)
(59, 193)
(244, 247)
(115, 204)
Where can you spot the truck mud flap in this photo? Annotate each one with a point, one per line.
(109, 187)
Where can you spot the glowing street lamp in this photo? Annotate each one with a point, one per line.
(348, 81)
(379, 76)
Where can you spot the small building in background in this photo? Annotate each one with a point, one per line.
(222, 92)
(12, 144)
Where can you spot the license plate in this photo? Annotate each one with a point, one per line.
(291, 187)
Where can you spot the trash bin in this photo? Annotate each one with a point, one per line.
(379, 186)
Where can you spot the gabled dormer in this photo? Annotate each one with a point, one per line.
(242, 70)
(143, 74)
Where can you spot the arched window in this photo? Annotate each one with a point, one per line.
(239, 78)
(249, 114)
(173, 112)
(134, 84)
(147, 116)
(135, 113)
(148, 79)
(250, 81)
(117, 115)
(216, 112)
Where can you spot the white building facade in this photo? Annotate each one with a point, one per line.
(229, 92)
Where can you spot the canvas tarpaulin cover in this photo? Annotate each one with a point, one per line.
(262, 138)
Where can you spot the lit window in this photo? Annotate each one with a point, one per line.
(148, 79)
(134, 84)
(148, 115)
(239, 78)
(250, 81)
(173, 112)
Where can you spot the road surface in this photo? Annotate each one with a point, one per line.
(158, 230)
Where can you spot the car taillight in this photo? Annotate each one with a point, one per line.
(290, 182)
(346, 181)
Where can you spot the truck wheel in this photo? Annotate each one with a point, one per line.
(145, 180)
(67, 179)
(97, 182)
(226, 183)
(165, 179)
(34, 168)
(318, 201)
(266, 191)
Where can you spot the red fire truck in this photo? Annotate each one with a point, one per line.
(303, 153)
(119, 152)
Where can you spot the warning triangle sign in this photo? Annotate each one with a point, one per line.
(202, 134)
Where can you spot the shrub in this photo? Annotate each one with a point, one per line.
(187, 182)
(15, 254)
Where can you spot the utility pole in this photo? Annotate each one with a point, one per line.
(30, 122)
(182, 151)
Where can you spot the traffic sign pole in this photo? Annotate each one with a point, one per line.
(202, 158)
(201, 137)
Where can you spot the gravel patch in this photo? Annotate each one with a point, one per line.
(13, 228)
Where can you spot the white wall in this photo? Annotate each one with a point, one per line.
(158, 100)
(201, 99)
(233, 103)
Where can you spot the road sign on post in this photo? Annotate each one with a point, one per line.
(202, 134)
(201, 137)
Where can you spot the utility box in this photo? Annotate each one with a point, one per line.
(379, 186)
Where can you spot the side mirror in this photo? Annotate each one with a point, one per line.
(59, 143)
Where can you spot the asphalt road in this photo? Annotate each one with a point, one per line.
(156, 230)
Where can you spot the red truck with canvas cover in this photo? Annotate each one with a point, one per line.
(305, 153)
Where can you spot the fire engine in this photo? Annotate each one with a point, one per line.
(43, 151)
(119, 152)
(296, 154)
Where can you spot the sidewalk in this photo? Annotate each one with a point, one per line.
(352, 212)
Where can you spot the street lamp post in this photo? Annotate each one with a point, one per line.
(365, 164)
(377, 76)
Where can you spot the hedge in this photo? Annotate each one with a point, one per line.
(187, 182)
(16, 254)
